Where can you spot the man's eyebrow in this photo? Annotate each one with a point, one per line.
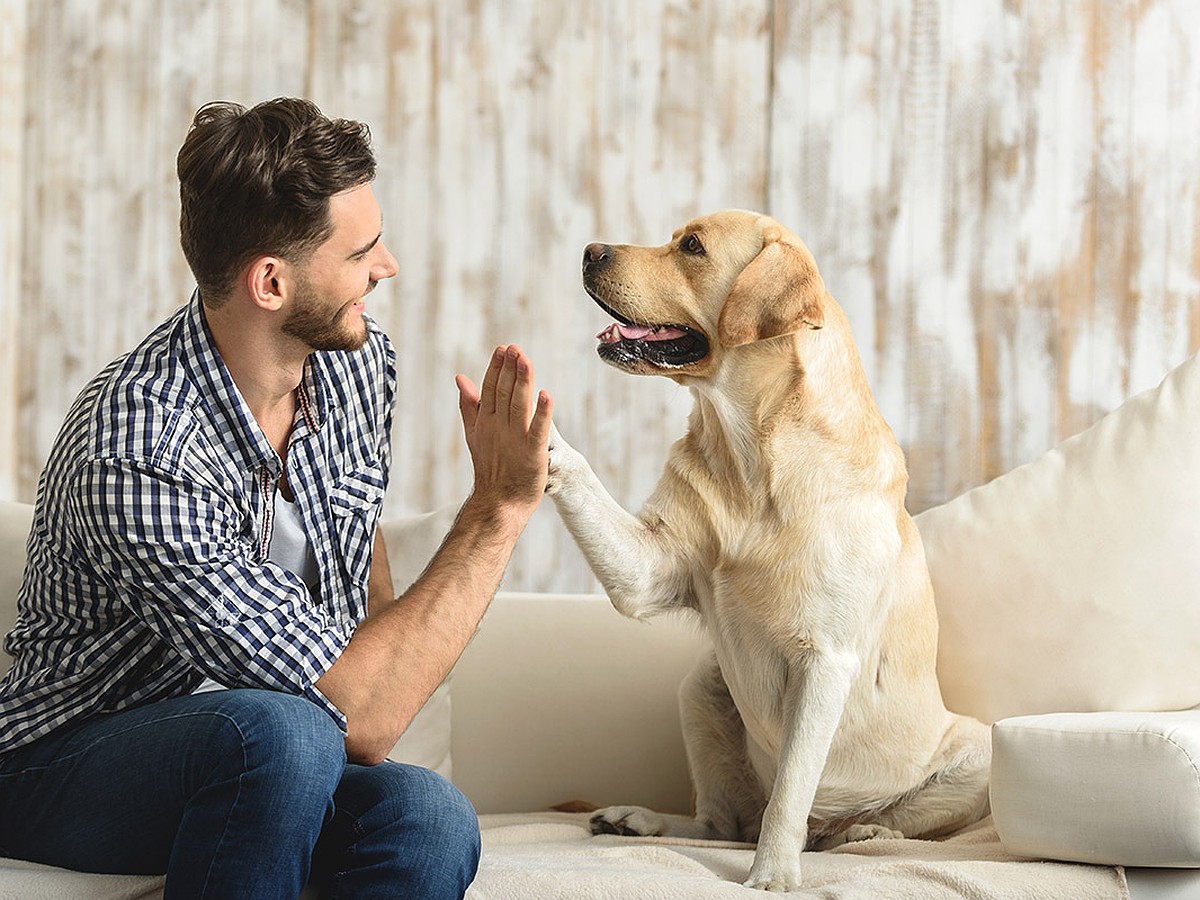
(366, 248)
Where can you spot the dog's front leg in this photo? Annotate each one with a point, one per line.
(640, 571)
(814, 698)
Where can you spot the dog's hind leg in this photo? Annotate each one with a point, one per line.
(954, 795)
(729, 796)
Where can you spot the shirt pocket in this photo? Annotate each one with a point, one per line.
(359, 487)
(355, 501)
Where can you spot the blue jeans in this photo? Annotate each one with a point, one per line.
(235, 794)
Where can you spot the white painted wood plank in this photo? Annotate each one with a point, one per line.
(1003, 198)
(12, 243)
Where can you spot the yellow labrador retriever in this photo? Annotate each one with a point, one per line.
(780, 521)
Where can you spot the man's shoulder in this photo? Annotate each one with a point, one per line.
(136, 400)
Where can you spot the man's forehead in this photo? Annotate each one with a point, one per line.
(356, 215)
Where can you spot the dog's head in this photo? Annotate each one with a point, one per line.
(725, 280)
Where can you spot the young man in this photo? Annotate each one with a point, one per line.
(210, 668)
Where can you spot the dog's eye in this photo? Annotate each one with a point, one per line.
(691, 244)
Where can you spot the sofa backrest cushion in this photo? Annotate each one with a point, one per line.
(1072, 584)
(411, 542)
(559, 697)
(15, 519)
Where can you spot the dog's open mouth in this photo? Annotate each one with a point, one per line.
(665, 346)
(626, 343)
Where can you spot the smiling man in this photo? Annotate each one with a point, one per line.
(209, 666)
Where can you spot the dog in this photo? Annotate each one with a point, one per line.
(779, 521)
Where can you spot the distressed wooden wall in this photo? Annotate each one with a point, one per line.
(1002, 194)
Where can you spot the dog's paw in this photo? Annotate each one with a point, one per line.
(857, 833)
(774, 879)
(773, 884)
(563, 461)
(629, 821)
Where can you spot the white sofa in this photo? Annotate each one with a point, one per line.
(1069, 597)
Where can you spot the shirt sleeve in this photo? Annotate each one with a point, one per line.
(182, 559)
(387, 400)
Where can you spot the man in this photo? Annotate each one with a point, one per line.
(210, 668)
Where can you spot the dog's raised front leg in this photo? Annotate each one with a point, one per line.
(815, 696)
(639, 569)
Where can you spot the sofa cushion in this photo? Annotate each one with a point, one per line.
(1073, 583)
(15, 519)
(1108, 788)
(411, 542)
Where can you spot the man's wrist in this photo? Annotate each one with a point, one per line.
(495, 513)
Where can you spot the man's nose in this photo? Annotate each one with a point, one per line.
(387, 265)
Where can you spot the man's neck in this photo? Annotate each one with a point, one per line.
(266, 366)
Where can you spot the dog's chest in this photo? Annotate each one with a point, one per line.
(751, 602)
(767, 602)
(756, 674)
(761, 584)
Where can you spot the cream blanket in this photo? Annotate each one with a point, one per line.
(539, 856)
(544, 856)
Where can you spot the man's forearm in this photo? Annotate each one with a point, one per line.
(379, 581)
(402, 652)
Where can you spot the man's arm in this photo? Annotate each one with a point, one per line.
(403, 650)
(379, 580)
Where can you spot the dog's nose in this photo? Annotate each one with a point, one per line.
(595, 256)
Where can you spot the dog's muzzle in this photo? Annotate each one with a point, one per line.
(628, 344)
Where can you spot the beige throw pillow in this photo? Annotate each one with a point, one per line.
(1073, 583)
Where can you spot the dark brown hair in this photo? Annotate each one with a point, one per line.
(258, 181)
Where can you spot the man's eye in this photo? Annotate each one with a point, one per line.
(691, 244)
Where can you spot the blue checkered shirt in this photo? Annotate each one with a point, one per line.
(147, 564)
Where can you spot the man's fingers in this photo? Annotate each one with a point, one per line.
(508, 391)
(539, 428)
(505, 383)
(468, 402)
(523, 393)
(487, 393)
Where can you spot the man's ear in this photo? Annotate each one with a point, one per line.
(779, 292)
(264, 281)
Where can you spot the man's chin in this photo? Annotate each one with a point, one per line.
(347, 343)
(346, 340)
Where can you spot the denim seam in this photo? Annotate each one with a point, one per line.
(127, 730)
(237, 797)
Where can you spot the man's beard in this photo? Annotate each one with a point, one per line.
(318, 329)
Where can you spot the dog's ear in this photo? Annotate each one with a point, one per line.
(779, 292)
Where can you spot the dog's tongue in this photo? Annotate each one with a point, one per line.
(617, 332)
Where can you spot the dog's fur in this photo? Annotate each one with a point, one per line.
(780, 520)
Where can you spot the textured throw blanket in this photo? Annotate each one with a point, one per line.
(553, 856)
(539, 856)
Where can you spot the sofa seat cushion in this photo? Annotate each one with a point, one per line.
(36, 882)
(1070, 583)
(1113, 788)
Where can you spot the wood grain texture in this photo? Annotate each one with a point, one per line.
(12, 172)
(1004, 197)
